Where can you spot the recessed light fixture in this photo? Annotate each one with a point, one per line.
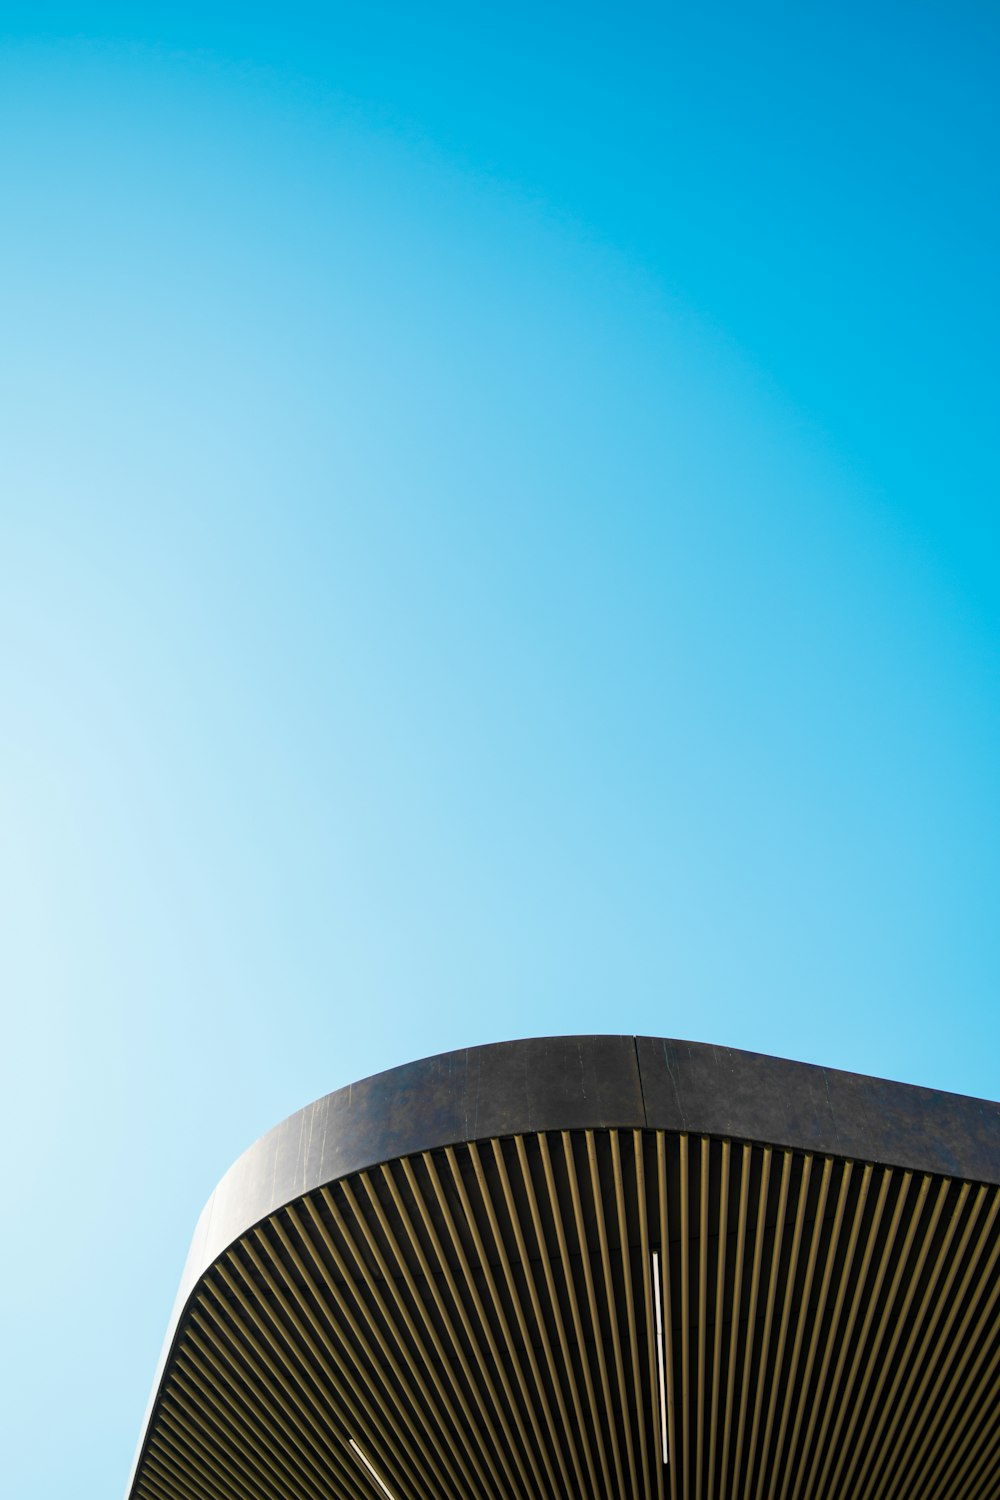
(659, 1352)
(372, 1471)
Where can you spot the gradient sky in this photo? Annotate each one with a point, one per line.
(498, 536)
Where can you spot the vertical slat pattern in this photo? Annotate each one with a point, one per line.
(669, 1319)
(598, 1202)
(595, 1322)
(574, 1305)
(633, 1413)
(703, 1206)
(750, 1337)
(540, 1323)
(732, 1394)
(759, 1378)
(801, 1323)
(659, 1457)
(789, 1279)
(720, 1309)
(683, 1458)
(480, 1322)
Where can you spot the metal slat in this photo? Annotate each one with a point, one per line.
(760, 1229)
(511, 1346)
(685, 1314)
(633, 1411)
(574, 1306)
(830, 1406)
(197, 1459)
(208, 1419)
(967, 1461)
(703, 1206)
(843, 1446)
(786, 1305)
(319, 1417)
(536, 1308)
(217, 1405)
(429, 1416)
(818, 1405)
(866, 1298)
(881, 1453)
(720, 1307)
(734, 1331)
(478, 1330)
(541, 1406)
(156, 1483)
(840, 1214)
(945, 1264)
(769, 1306)
(482, 1322)
(781, 1460)
(364, 1355)
(286, 1440)
(668, 1317)
(659, 1457)
(987, 1470)
(174, 1475)
(597, 1204)
(455, 1354)
(392, 1274)
(933, 1405)
(556, 1310)
(333, 1365)
(313, 1439)
(595, 1319)
(861, 1446)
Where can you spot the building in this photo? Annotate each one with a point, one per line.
(594, 1267)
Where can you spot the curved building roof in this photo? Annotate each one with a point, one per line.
(594, 1267)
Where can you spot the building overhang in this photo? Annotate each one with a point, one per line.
(594, 1266)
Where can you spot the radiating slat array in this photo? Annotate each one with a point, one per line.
(480, 1322)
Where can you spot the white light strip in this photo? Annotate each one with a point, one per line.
(659, 1353)
(372, 1471)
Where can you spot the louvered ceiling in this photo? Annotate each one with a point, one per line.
(529, 1316)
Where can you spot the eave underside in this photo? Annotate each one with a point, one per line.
(481, 1321)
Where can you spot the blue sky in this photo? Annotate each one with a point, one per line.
(498, 536)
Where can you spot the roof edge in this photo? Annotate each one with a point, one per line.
(585, 1082)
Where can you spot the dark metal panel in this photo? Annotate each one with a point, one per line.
(748, 1096)
(550, 1083)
